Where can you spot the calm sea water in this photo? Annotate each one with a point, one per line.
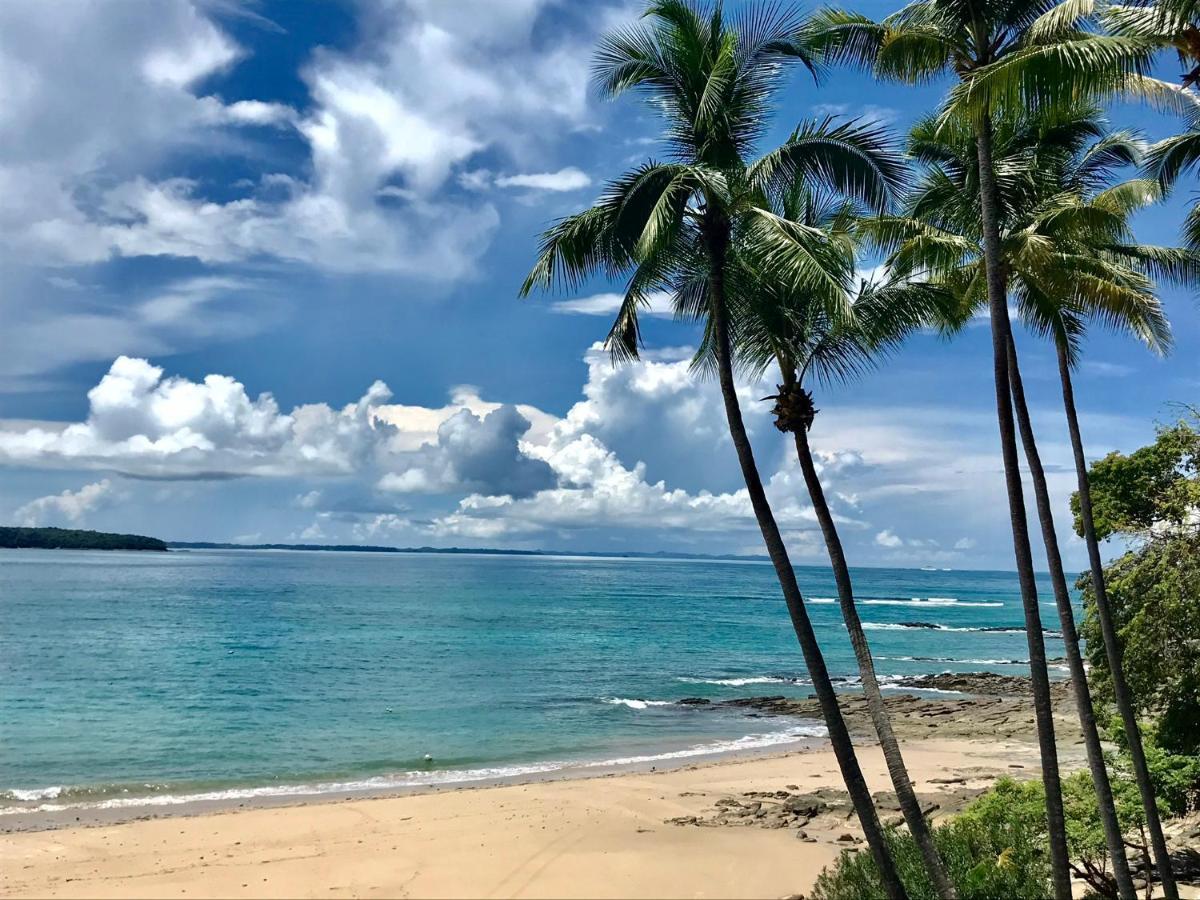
(227, 674)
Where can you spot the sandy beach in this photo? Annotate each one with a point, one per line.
(759, 827)
(600, 837)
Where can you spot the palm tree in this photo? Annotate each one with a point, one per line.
(1171, 24)
(1006, 55)
(1134, 309)
(827, 336)
(1099, 272)
(676, 226)
(1069, 253)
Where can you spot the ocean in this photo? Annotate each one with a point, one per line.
(147, 679)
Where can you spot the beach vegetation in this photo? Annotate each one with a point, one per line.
(1150, 498)
(995, 848)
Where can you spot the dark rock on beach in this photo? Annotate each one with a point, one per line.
(975, 705)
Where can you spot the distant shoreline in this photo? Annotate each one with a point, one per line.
(474, 551)
(78, 539)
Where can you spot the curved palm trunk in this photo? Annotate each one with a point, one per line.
(839, 736)
(1112, 645)
(1040, 682)
(1066, 615)
(905, 795)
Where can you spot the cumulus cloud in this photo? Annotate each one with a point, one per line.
(69, 507)
(144, 424)
(475, 454)
(388, 124)
(644, 451)
(522, 471)
(568, 179)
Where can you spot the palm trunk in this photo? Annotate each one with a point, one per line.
(1040, 682)
(1066, 616)
(717, 239)
(905, 795)
(1112, 645)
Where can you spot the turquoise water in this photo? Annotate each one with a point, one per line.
(127, 676)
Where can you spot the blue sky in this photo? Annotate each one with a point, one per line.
(260, 264)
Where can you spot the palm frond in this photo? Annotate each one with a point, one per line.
(858, 160)
(1169, 158)
(1067, 71)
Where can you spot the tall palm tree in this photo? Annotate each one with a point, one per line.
(1068, 252)
(828, 336)
(676, 226)
(1133, 308)
(1006, 55)
(1098, 272)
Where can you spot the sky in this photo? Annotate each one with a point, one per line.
(260, 264)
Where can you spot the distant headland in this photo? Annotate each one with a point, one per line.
(486, 551)
(74, 539)
(78, 539)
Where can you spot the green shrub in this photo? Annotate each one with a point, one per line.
(993, 849)
(1176, 776)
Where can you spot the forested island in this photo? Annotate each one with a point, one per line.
(75, 539)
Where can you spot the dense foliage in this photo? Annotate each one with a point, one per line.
(74, 539)
(996, 848)
(1154, 592)
(1155, 487)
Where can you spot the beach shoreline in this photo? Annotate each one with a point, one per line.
(661, 833)
(756, 824)
(789, 725)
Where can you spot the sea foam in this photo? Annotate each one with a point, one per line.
(911, 601)
(636, 703)
(415, 779)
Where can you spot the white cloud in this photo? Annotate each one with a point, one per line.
(309, 499)
(568, 179)
(247, 112)
(868, 113)
(69, 507)
(659, 303)
(642, 456)
(145, 424)
(390, 123)
(887, 538)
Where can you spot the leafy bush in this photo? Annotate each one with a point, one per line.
(1154, 593)
(993, 849)
(1176, 776)
(1155, 487)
